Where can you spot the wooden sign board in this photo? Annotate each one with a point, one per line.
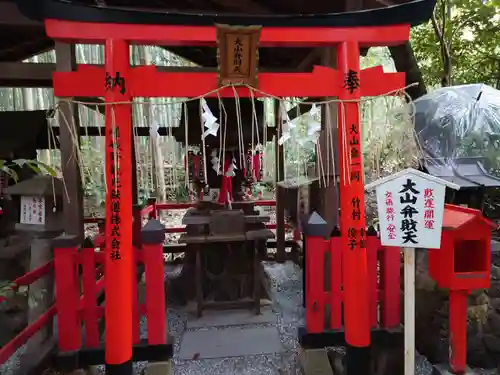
(238, 54)
(410, 207)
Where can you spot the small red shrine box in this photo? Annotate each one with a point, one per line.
(463, 262)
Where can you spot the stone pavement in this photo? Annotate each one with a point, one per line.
(238, 342)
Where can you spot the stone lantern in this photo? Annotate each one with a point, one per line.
(40, 220)
(40, 204)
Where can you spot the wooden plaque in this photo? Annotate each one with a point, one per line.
(238, 52)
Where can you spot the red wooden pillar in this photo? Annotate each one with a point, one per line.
(458, 331)
(315, 231)
(67, 293)
(119, 251)
(352, 202)
(153, 238)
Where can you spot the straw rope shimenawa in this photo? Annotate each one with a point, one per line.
(376, 154)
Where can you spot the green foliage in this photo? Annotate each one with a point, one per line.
(472, 38)
(37, 166)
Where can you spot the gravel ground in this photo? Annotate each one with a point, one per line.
(286, 294)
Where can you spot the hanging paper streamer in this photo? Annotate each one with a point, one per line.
(286, 126)
(214, 160)
(209, 121)
(153, 130)
(313, 126)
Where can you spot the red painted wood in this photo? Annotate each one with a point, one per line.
(136, 330)
(354, 258)
(155, 293)
(87, 81)
(147, 210)
(31, 277)
(315, 294)
(11, 347)
(390, 276)
(458, 331)
(167, 35)
(372, 250)
(335, 283)
(89, 298)
(67, 299)
(119, 275)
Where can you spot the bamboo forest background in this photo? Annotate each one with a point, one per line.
(160, 161)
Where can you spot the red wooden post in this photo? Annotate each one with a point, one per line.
(119, 251)
(67, 292)
(90, 315)
(335, 280)
(352, 201)
(372, 248)
(390, 280)
(136, 311)
(153, 237)
(458, 331)
(315, 230)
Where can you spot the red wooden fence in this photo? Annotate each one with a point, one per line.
(11, 347)
(75, 310)
(384, 287)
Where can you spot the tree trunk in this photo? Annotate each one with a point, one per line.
(405, 61)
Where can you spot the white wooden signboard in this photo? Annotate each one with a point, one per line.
(32, 210)
(410, 208)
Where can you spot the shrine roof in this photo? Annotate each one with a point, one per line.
(30, 37)
(467, 172)
(455, 217)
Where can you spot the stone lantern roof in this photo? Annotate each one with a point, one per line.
(40, 186)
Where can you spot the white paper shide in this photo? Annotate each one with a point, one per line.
(32, 210)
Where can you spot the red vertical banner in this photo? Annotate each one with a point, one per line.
(119, 252)
(352, 202)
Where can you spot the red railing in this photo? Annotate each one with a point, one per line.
(384, 291)
(13, 345)
(77, 305)
(75, 310)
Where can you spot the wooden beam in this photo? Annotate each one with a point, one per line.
(70, 125)
(18, 74)
(10, 15)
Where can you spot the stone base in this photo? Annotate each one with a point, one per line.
(315, 362)
(444, 369)
(236, 341)
(159, 368)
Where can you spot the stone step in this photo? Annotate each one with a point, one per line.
(229, 342)
(315, 362)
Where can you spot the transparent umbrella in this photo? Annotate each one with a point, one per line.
(456, 121)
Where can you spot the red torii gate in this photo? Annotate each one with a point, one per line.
(118, 82)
